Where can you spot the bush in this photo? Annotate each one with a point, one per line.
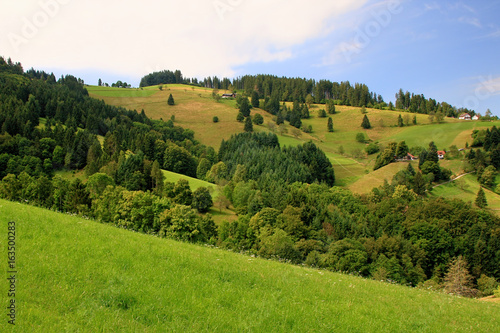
(487, 285)
(372, 148)
(307, 129)
(360, 137)
(322, 113)
(215, 119)
(258, 119)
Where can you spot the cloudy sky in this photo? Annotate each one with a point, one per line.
(447, 50)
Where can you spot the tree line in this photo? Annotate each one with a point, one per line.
(286, 89)
(416, 103)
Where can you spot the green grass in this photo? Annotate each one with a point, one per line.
(194, 183)
(444, 135)
(466, 189)
(72, 174)
(376, 178)
(76, 275)
(120, 92)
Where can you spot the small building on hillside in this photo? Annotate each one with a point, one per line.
(229, 95)
(476, 117)
(410, 157)
(464, 116)
(441, 153)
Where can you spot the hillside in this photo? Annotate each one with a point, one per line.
(195, 109)
(79, 275)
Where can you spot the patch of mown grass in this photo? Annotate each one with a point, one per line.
(79, 275)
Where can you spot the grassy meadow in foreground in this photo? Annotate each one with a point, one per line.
(80, 275)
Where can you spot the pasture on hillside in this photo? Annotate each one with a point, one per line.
(79, 275)
(195, 109)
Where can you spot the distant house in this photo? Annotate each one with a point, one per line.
(229, 95)
(476, 117)
(411, 157)
(441, 153)
(464, 116)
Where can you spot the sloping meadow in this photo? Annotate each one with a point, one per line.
(78, 275)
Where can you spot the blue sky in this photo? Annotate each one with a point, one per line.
(447, 50)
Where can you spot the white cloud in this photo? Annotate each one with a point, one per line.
(470, 20)
(491, 85)
(199, 37)
(432, 6)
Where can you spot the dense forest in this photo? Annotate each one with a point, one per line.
(286, 203)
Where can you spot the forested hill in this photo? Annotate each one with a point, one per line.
(274, 89)
(285, 203)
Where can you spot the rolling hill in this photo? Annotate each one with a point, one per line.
(195, 109)
(79, 275)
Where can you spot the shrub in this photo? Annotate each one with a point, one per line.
(372, 148)
(215, 119)
(258, 119)
(360, 137)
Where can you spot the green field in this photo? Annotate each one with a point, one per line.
(76, 275)
(121, 92)
(466, 189)
(194, 183)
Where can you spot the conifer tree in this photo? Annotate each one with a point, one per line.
(245, 107)
(400, 121)
(419, 183)
(255, 99)
(248, 125)
(481, 199)
(330, 106)
(157, 178)
(330, 124)
(170, 100)
(366, 123)
(458, 280)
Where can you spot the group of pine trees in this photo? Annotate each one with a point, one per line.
(415, 103)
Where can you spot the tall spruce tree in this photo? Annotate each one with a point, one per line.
(458, 280)
(170, 100)
(481, 199)
(366, 123)
(330, 106)
(400, 121)
(330, 124)
(255, 99)
(245, 107)
(248, 125)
